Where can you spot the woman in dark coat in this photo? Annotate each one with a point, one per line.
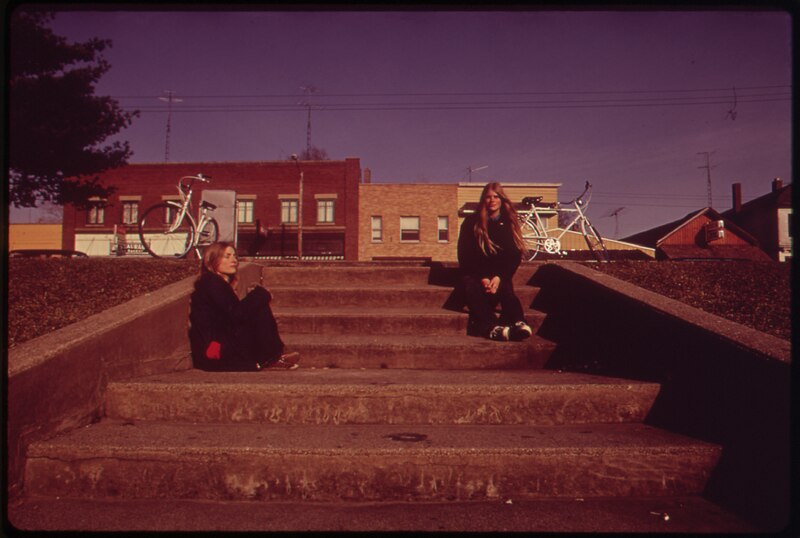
(490, 247)
(228, 334)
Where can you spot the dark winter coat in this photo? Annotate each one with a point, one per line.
(472, 260)
(217, 315)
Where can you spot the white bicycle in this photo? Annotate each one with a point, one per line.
(168, 230)
(538, 237)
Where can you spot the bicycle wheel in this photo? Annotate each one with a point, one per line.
(594, 242)
(208, 234)
(532, 238)
(156, 236)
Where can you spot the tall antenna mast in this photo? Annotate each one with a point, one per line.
(308, 90)
(708, 168)
(169, 99)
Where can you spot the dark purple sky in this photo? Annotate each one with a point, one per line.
(624, 99)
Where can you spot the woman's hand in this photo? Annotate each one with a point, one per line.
(491, 285)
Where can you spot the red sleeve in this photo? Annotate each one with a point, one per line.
(213, 350)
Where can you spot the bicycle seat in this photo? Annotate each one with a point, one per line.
(207, 205)
(537, 201)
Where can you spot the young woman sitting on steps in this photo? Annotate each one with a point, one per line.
(490, 247)
(228, 334)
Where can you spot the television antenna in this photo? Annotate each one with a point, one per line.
(308, 89)
(615, 213)
(170, 98)
(708, 168)
(470, 170)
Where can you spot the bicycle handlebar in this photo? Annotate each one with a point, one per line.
(579, 198)
(192, 179)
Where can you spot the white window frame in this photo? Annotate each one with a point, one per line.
(376, 237)
(96, 214)
(245, 209)
(325, 210)
(407, 225)
(130, 212)
(289, 211)
(443, 219)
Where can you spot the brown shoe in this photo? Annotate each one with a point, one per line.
(287, 361)
(292, 357)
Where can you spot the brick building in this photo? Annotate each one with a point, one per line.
(700, 235)
(422, 221)
(266, 210)
(767, 218)
(408, 221)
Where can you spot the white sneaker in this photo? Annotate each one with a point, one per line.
(499, 333)
(520, 331)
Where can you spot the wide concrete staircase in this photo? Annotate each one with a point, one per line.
(394, 406)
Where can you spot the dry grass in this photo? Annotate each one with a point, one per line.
(756, 294)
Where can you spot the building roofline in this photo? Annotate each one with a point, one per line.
(531, 184)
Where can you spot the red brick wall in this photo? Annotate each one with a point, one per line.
(266, 180)
(693, 233)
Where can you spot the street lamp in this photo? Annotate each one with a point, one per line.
(299, 211)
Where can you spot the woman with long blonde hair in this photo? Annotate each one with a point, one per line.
(490, 248)
(228, 334)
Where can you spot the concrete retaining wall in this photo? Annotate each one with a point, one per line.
(721, 382)
(56, 382)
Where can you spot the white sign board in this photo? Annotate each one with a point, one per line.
(225, 213)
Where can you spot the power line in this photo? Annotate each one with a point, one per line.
(451, 94)
(448, 106)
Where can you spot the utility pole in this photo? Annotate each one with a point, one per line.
(708, 168)
(299, 210)
(169, 99)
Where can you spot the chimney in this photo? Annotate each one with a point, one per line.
(367, 176)
(777, 184)
(737, 197)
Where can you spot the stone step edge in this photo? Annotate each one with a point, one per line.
(691, 514)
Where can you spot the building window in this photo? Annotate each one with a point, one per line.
(409, 228)
(96, 213)
(130, 212)
(377, 229)
(325, 211)
(288, 211)
(170, 214)
(444, 229)
(244, 213)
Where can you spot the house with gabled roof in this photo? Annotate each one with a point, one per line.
(767, 218)
(700, 235)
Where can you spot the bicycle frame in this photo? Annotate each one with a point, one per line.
(180, 222)
(539, 236)
(186, 201)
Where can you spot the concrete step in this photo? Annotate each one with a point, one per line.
(387, 295)
(365, 463)
(335, 397)
(331, 275)
(379, 321)
(348, 276)
(443, 352)
(638, 515)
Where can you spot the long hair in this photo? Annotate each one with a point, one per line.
(212, 255)
(507, 210)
